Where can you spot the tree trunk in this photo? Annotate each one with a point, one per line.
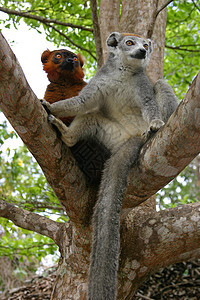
(72, 273)
(108, 21)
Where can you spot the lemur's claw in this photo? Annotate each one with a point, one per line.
(46, 105)
(50, 118)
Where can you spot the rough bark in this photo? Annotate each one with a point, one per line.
(149, 240)
(30, 121)
(162, 238)
(108, 21)
(97, 33)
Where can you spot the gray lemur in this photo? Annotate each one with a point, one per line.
(119, 107)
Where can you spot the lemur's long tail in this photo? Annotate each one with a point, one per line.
(106, 221)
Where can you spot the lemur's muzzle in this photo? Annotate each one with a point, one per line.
(68, 64)
(140, 54)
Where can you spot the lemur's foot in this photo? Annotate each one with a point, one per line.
(65, 131)
(154, 126)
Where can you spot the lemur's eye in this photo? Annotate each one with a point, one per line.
(146, 46)
(75, 58)
(129, 43)
(58, 56)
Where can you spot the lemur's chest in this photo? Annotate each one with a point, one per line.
(122, 100)
(122, 106)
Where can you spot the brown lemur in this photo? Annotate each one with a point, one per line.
(65, 72)
(120, 108)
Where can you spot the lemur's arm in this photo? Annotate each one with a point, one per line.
(149, 106)
(165, 98)
(87, 100)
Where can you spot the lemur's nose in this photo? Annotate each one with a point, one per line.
(142, 50)
(142, 53)
(70, 60)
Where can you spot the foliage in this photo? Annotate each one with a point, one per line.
(22, 180)
(25, 245)
(182, 44)
(78, 36)
(23, 184)
(183, 189)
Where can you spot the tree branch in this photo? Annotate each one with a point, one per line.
(30, 221)
(97, 33)
(48, 22)
(109, 16)
(162, 238)
(67, 38)
(154, 18)
(182, 49)
(42, 19)
(162, 7)
(197, 7)
(46, 207)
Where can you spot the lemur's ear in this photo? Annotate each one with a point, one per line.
(81, 59)
(150, 45)
(45, 56)
(113, 39)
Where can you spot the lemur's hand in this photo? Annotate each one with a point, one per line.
(154, 126)
(46, 105)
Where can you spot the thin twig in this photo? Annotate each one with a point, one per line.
(181, 49)
(67, 38)
(197, 7)
(174, 286)
(154, 17)
(42, 19)
(36, 245)
(143, 297)
(48, 22)
(163, 6)
(46, 207)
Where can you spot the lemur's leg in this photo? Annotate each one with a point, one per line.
(83, 126)
(106, 221)
(77, 130)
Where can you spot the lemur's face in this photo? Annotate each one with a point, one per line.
(65, 60)
(61, 63)
(133, 50)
